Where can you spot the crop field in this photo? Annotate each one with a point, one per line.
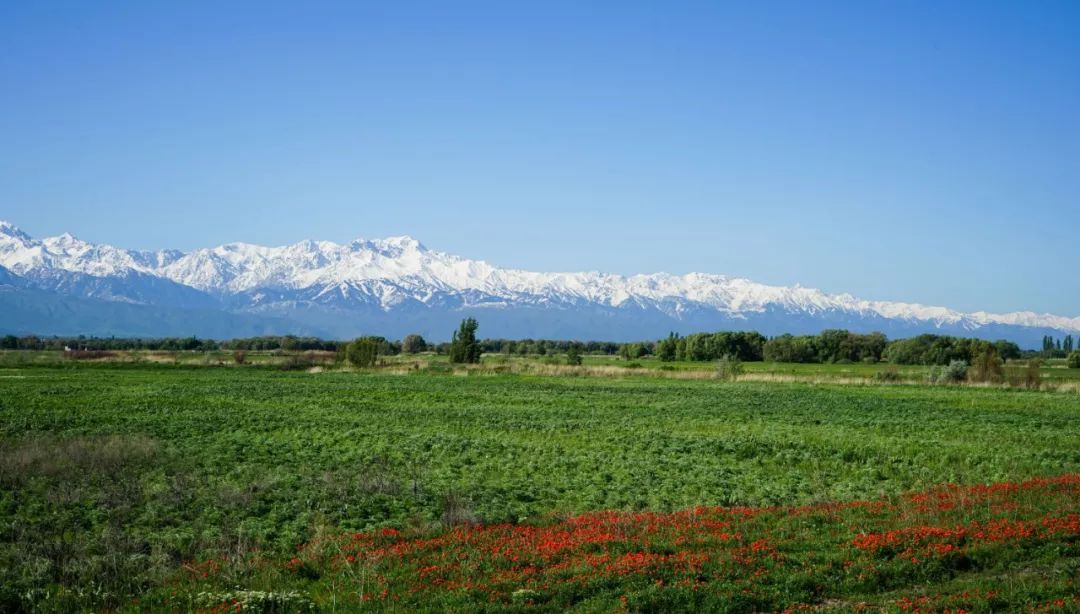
(165, 485)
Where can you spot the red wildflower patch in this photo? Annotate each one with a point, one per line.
(761, 558)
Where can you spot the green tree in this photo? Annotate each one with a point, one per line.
(464, 348)
(413, 344)
(789, 348)
(573, 354)
(835, 345)
(362, 352)
(1048, 345)
(1007, 350)
(667, 349)
(631, 351)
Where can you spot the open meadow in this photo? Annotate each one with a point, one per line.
(513, 307)
(160, 485)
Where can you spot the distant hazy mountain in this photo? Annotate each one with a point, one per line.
(395, 286)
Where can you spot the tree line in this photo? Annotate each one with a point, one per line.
(172, 344)
(745, 346)
(942, 350)
(829, 346)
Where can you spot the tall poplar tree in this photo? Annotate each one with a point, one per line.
(463, 347)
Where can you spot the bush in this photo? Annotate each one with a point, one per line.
(362, 353)
(631, 351)
(573, 355)
(987, 368)
(1033, 374)
(729, 368)
(239, 357)
(1073, 361)
(954, 373)
(298, 362)
(891, 374)
(413, 344)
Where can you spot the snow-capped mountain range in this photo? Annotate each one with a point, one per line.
(394, 286)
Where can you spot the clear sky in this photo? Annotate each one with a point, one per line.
(919, 151)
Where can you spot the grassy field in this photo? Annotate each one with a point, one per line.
(192, 485)
(1055, 374)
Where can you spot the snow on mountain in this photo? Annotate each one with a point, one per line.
(399, 272)
(25, 255)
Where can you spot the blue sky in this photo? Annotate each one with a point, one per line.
(913, 151)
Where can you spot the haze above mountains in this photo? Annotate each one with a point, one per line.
(395, 286)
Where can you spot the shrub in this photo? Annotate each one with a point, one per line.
(954, 373)
(240, 357)
(890, 374)
(1033, 374)
(413, 344)
(362, 352)
(573, 355)
(729, 368)
(987, 368)
(1073, 361)
(298, 362)
(631, 351)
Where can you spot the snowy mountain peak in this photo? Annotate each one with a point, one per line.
(390, 246)
(398, 273)
(405, 242)
(11, 231)
(66, 242)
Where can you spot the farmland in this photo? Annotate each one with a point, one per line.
(173, 484)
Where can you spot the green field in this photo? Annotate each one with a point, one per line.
(116, 476)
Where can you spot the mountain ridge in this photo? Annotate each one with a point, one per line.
(310, 283)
